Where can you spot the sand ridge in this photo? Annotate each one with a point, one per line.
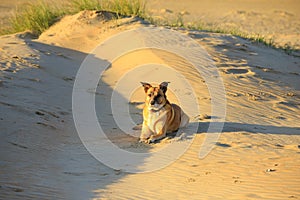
(256, 157)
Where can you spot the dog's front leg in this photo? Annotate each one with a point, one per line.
(161, 132)
(146, 133)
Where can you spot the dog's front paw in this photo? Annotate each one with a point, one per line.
(148, 141)
(144, 140)
(151, 140)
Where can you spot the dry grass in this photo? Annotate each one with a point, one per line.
(37, 17)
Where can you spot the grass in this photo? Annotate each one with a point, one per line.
(35, 17)
(78, 5)
(40, 16)
(121, 7)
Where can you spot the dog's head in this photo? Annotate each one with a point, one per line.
(155, 96)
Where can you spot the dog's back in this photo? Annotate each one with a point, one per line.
(183, 118)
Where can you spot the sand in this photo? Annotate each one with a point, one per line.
(277, 21)
(42, 156)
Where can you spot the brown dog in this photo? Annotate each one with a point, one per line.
(159, 116)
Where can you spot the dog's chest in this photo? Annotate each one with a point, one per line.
(156, 119)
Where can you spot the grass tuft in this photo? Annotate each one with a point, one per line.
(38, 17)
(79, 5)
(120, 7)
(35, 18)
(126, 7)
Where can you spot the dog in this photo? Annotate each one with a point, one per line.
(159, 115)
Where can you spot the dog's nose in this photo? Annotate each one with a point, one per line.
(152, 102)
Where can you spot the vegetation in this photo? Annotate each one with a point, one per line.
(121, 7)
(37, 17)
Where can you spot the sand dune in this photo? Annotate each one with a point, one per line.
(42, 157)
(277, 22)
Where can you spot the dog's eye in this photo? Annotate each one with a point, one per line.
(149, 95)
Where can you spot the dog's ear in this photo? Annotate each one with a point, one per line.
(146, 86)
(164, 86)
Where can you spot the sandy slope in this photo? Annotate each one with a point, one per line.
(42, 157)
(278, 20)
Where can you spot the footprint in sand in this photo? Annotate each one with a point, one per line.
(238, 71)
(219, 144)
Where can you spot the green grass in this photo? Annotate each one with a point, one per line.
(39, 16)
(126, 7)
(121, 7)
(78, 5)
(35, 17)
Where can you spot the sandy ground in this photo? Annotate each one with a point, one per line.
(42, 157)
(278, 21)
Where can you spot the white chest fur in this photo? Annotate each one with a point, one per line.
(156, 120)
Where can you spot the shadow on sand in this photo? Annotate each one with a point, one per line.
(251, 128)
(60, 165)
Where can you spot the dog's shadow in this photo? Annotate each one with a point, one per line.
(194, 128)
(207, 127)
(228, 127)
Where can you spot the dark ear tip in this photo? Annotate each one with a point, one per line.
(165, 83)
(144, 83)
(146, 86)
